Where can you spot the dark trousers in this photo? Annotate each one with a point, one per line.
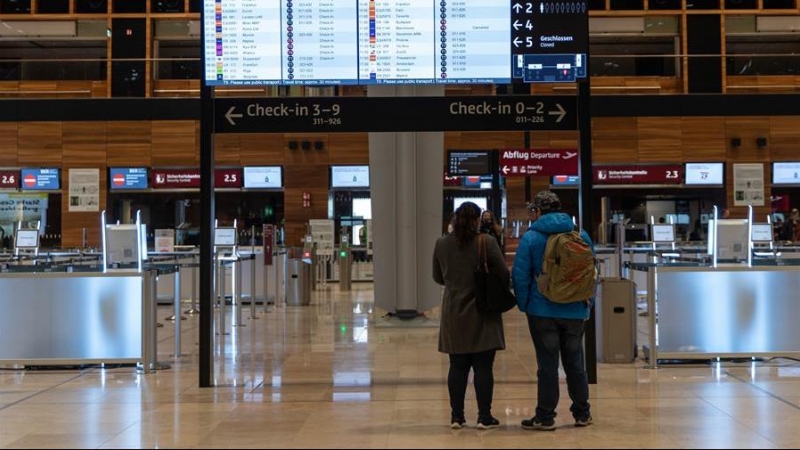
(481, 363)
(552, 337)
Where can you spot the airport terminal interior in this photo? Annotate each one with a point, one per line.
(335, 374)
(217, 217)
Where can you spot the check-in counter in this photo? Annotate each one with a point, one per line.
(728, 311)
(71, 318)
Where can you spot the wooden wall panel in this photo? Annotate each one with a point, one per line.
(348, 148)
(310, 156)
(8, 144)
(564, 139)
(482, 140)
(84, 144)
(614, 151)
(226, 149)
(174, 143)
(261, 149)
(659, 139)
(311, 178)
(73, 223)
(452, 139)
(622, 128)
(128, 143)
(514, 140)
(39, 143)
(748, 129)
(703, 139)
(784, 139)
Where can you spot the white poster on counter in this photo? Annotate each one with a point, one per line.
(165, 241)
(748, 184)
(84, 190)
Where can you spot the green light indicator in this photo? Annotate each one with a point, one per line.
(344, 254)
(344, 329)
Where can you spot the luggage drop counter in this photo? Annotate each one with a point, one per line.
(72, 318)
(728, 311)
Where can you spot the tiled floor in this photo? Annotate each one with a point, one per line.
(334, 375)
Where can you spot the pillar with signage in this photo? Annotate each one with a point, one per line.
(406, 187)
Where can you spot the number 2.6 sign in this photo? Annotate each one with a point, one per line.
(9, 179)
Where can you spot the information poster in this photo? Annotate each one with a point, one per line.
(84, 190)
(322, 231)
(748, 184)
(165, 241)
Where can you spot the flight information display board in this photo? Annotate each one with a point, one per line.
(333, 42)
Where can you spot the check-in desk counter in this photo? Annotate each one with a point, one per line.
(728, 311)
(70, 316)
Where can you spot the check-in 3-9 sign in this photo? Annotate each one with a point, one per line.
(644, 174)
(527, 162)
(389, 114)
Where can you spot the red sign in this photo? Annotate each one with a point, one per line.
(538, 161)
(118, 180)
(30, 180)
(176, 178)
(9, 179)
(228, 178)
(650, 174)
(269, 235)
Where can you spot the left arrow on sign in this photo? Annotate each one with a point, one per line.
(230, 115)
(505, 170)
(560, 113)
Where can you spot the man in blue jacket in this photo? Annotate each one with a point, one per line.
(556, 328)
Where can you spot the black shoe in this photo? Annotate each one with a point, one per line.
(538, 424)
(486, 423)
(584, 422)
(457, 423)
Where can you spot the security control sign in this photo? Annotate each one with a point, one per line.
(40, 179)
(643, 174)
(527, 162)
(176, 178)
(128, 178)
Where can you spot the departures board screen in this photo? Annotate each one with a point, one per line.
(339, 42)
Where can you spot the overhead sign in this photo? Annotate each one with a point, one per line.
(550, 40)
(639, 174)
(469, 162)
(40, 179)
(128, 178)
(349, 176)
(704, 174)
(527, 162)
(266, 177)
(176, 178)
(565, 180)
(786, 173)
(386, 114)
(9, 179)
(228, 178)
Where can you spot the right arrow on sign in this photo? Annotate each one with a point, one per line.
(230, 115)
(560, 113)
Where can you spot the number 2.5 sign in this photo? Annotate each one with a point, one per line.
(9, 179)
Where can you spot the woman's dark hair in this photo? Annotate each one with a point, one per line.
(465, 225)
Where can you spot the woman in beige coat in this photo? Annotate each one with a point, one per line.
(469, 337)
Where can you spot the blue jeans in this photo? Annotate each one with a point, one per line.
(552, 337)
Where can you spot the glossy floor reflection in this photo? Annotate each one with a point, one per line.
(325, 375)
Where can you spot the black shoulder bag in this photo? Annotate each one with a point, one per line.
(492, 296)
